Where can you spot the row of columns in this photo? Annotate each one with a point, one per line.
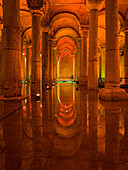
(11, 80)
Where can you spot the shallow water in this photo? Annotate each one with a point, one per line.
(68, 128)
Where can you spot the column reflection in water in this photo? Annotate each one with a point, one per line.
(27, 130)
(37, 135)
(12, 134)
(93, 113)
(112, 138)
(124, 141)
(116, 143)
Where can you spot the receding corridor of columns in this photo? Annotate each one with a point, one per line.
(63, 85)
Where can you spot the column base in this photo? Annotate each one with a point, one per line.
(113, 94)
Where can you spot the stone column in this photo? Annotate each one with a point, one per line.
(27, 75)
(93, 6)
(103, 51)
(93, 50)
(126, 54)
(100, 66)
(11, 81)
(112, 90)
(112, 74)
(58, 68)
(0, 66)
(55, 65)
(35, 70)
(78, 54)
(74, 67)
(50, 62)
(22, 65)
(44, 58)
(83, 61)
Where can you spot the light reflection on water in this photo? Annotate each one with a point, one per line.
(66, 128)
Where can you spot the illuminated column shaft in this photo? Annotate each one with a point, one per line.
(78, 61)
(44, 59)
(50, 62)
(0, 63)
(103, 62)
(74, 69)
(112, 74)
(55, 65)
(22, 62)
(83, 64)
(35, 70)
(93, 50)
(126, 54)
(58, 68)
(100, 66)
(11, 81)
(28, 62)
(78, 58)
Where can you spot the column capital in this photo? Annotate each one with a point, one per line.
(36, 12)
(35, 4)
(94, 4)
(84, 30)
(50, 42)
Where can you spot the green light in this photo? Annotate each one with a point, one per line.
(66, 81)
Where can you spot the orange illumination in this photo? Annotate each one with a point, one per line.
(66, 122)
(66, 115)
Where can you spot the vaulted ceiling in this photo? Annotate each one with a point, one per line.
(65, 20)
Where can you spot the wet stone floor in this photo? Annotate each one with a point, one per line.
(66, 129)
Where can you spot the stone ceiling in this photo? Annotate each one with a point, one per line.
(65, 19)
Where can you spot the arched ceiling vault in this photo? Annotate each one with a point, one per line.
(65, 18)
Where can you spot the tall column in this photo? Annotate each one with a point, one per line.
(0, 66)
(112, 74)
(55, 65)
(22, 65)
(44, 58)
(93, 50)
(50, 62)
(74, 67)
(28, 47)
(78, 59)
(100, 65)
(83, 61)
(126, 54)
(93, 7)
(112, 90)
(35, 70)
(11, 80)
(103, 51)
(58, 68)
